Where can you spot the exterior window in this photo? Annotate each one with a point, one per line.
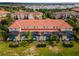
(53, 27)
(56, 27)
(26, 27)
(50, 27)
(68, 29)
(41, 27)
(31, 27)
(36, 27)
(46, 27)
(14, 29)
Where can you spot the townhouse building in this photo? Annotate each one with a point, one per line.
(65, 14)
(36, 27)
(3, 13)
(27, 15)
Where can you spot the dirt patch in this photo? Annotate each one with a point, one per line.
(55, 49)
(32, 51)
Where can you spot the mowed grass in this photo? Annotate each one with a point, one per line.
(32, 50)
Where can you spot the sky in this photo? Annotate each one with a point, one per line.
(41, 1)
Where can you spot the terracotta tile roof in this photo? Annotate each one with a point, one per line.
(3, 12)
(47, 22)
(65, 12)
(75, 9)
(34, 13)
(15, 25)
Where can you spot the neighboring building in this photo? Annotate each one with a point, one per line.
(3, 13)
(45, 26)
(27, 15)
(65, 14)
(50, 6)
(75, 9)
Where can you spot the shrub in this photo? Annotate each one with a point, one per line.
(53, 43)
(68, 44)
(13, 45)
(41, 45)
(24, 43)
(30, 41)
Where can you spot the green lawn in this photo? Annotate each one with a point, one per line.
(31, 49)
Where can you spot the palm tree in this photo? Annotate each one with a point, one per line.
(18, 39)
(30, 36)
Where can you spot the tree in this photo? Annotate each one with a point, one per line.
(30, 36)
(44, 16)
(3, 35)
(4, 24)
(26, 34)
(53, 39)
(18, 39)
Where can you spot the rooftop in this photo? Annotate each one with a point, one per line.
(35, 13)
(66, 12)
(3, 12)
(43, 22)
(75, 9)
